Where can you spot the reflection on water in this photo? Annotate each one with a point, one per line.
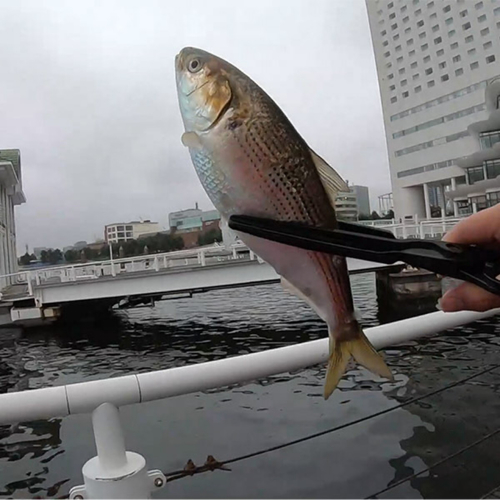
(45, 458)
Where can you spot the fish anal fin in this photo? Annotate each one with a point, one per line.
(295, 291)
(331, 180)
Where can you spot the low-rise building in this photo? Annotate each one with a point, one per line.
(11, 194)
(346, 206)
(125, 231)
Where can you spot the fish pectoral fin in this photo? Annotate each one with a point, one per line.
(331, 180)
(191, 140)
(361, 350)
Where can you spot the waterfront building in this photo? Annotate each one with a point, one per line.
(434, 61)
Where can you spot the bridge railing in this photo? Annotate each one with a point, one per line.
(116, 473)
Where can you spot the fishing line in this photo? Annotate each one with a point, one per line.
(178, 474)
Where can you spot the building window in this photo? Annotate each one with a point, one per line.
(454, 46)
(398, 48)
(442, 65)
(493, 198)
(129, 228)
(457, 58)
(482, 18)
(425, 46)
(466, 26)
(418, 89)
(487, 45)
(471, 52)
(445, 78)
(411, 53)
(406, 19)
(487, 139)
(474, 65)
(437, 40)
(433, 16)
(385, 43)
(129, 235)
(422, 35)
(416, 76)
(447, 9)
(404, 8)
(391, 5)
(390, 76)
(388, 65)
(418, 12)
(394, 99)
(475, 174)
(430, 83)
(469, 39)
(459, 72)
(402, 71)
(427, 59)
(387, 54)
(440, 52)
(480, 201)
(409, 41)
(407, 30)
(394, 26)
(428, 71)
(392, 16)
(404, 83)
(406, 94)
(420, 23)
(479, 5)
(399, 60)
(120, 228)
(396, 37)
(496, 11)
(485, 31)
(490, 59)
(463, 13)
(430, 5)
(492, 168)
(392, 88)
(383, 33)
(449, 20)
(452, 33)
(413, 65)
(435, 28)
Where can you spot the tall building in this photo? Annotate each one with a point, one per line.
(11, 194)
(434, 59)
(125, 231)
(346, 205)
(362, 199)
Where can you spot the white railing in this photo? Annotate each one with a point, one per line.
(428, 228)
(115, 472)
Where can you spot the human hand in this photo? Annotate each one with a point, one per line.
(483, 229)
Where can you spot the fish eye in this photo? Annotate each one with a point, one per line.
(194, 65)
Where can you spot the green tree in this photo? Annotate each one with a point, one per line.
(210, 236)
(44, 256)
(54, 256)
(389, 214)
(71, 255)
(26, 259)
(375, 216)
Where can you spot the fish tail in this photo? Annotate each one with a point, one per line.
(352, 343)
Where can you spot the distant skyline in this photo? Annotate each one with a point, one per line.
(88, 96)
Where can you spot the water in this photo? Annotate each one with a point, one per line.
(44, 459)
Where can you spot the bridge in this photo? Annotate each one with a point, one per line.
(43, 294)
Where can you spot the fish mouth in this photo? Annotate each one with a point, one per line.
(197, 88)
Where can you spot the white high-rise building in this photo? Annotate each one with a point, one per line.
(434, 60)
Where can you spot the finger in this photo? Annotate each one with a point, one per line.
(480, 228)
(469, 297)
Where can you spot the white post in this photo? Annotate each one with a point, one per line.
(426, 201)
(455, 204)
(234, 253)
(30, 286)
(113, 272)
(37, 278)
(157, 263)
(202, 258)
(165, 265)
(405, 235)
(252, 255)
(114, 472)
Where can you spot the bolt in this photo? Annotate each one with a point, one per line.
(158, 482)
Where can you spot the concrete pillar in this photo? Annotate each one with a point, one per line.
(443, 200)
(453, 188)
(425, 187)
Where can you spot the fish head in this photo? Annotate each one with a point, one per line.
(203, 88)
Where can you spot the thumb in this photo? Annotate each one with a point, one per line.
(469, 297)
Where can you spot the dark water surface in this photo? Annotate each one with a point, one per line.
(44, 459)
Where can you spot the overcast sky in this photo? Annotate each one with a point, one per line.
(87, 93)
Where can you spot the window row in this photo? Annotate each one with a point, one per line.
(431, 144)
(426, 168)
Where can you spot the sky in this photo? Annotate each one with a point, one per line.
(87, 93)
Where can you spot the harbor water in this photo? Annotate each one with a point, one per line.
(44, 458)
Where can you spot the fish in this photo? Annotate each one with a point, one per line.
(252, 161)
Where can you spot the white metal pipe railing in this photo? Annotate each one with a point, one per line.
(84, 397)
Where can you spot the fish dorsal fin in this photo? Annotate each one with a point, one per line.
(331, 180)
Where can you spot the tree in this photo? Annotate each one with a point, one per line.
(71, 255)
(375, 215)
(44, 256)
(210, 236)
(26, 259)
(389, 214)
(54, 256)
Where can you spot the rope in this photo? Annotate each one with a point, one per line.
(212, 464)
(442, 461)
